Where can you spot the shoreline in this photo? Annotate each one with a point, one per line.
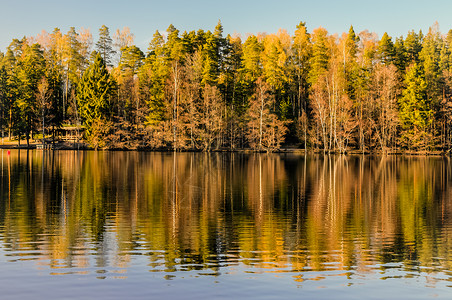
(292, 150)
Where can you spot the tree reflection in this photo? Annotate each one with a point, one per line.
(199, 211)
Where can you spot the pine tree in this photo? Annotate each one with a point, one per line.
(3, 99)
(30, 69)
(128, 103)
(351, 67)
(105, 45)
(131, 59)
(444, 58)
(301, 49)
(153, 75)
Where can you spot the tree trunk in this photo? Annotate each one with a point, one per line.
(2, 125)
(175, 108)
(53, 136)
(43, 132)
(261, 117)
(27, 132)
(10, 122)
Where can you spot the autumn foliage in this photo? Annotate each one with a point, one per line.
(206, 91)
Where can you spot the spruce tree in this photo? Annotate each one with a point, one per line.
(415, 109)
(413, 45)
(320, 54)
(210, 60)
(386, 51)
(251, 59)
(400, 54)
(94, 93)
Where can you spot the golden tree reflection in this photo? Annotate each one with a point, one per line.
(198, 211)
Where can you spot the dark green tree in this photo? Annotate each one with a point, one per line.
(413, 45)
(4, 105)
(30, 69)
(416, 114)
(94, 94)
(153, 75)
(400, 55)
(386, 51)
(251, 63)
(320, 55)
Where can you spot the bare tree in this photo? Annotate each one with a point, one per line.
(385, 120)
(265, 130)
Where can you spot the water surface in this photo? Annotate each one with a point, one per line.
(129, 225)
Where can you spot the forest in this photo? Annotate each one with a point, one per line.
(206, 91)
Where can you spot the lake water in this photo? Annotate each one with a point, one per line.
(135, 225)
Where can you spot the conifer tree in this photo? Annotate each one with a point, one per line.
(210, 59)
(153, 75)
(386, 52)
(320, 55)
(105, 45)
(301, 49)
(415, 109)
(251, 63)
(3, 99)
(429, 57)
(400, 55)
(30, 69)
(413, 45)
(94, 95)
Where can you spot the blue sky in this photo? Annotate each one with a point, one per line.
(20, 18)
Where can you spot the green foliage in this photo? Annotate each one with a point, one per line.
(413, 45)
(274, 61)
(332, 88)
(416, 113)
(153, 75)
(386, 51)
(94, 94)
(105, 45)
(210, 58)
(29, 70)
(352, 42)
(251, 60)
(400, 58)
(320, 55)
(131, 59)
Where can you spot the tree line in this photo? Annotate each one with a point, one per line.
(201, 90)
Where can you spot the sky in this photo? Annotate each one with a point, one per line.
(19, 18)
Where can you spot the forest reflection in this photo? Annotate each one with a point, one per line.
(73, 212)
